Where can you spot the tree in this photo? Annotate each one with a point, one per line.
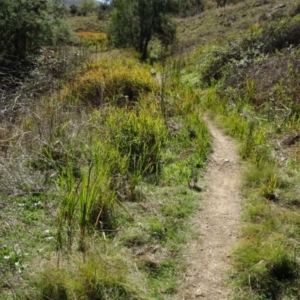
(136, 22)
(221, 3)
(87, 6)
(26, 25)
(104, 9)
(73, 9)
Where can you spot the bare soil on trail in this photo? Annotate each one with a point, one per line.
(215, 225)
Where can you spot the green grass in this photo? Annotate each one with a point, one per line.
(96, 201)
(102, 190)
(266, 258)
(266, 262)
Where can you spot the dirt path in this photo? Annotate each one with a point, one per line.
(215, 225)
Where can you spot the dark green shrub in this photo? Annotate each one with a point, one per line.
(27, 25)
(214, 67)
(73, 9)
(281, 35)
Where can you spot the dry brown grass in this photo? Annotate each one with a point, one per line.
(275, 81)
(88, 23)
(219, 25)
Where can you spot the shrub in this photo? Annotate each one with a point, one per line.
(214, 66)
(86, 7)
(294, 10)
(273, 87)
(279, 36)
(27, 25)
(73, 9)
(111, 81)
(135, 23)
(100, 277)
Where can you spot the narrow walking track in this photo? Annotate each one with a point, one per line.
(215, 225)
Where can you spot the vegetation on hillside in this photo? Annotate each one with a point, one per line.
(252, 89)
(97, 151)
(88, 172)
(135, 23)
(25, 26)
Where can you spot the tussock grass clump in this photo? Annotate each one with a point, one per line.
(121, 149)
(92, 37)
(270, 270)
(89, 200)
(103, 277)
(118, 82)
(138, 135)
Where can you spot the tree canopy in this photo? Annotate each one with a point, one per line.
(136, 22)
(26, 25)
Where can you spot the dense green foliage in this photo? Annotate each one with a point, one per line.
(27, 25)
(135, 23)
(87, 6)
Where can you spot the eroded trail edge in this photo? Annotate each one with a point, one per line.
(215, 225)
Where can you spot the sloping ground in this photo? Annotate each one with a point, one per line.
(215, 225)
(219, 25)
(254, 86)
(89, 23)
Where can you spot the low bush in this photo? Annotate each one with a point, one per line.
(107, 81)
(28, 25)
(259, 41)
(273, 87)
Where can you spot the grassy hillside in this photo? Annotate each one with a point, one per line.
(249, 84)
(219, 26)
(94, 177)
(97, 154)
